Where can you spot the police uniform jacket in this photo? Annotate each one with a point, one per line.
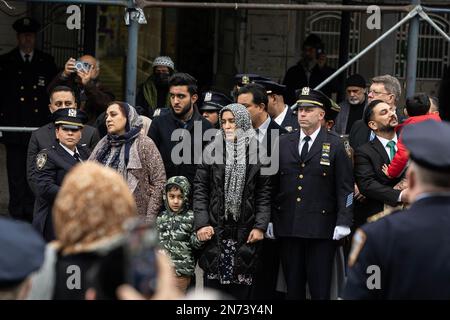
(290, 121)
(48, 178)
(45, 138)
(313, 197)
(411, 248)
(24, 101)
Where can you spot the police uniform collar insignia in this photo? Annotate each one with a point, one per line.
(305, 91)
(325, 158)
(208, 96)
(41, 159)
(72, 113)
(288, 128)
(245, 80)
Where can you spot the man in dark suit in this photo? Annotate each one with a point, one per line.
(44, 137)
(253, 96)
(52, 165)
(279, 111)
(405, 255)
(385, 88)
(373, 184)
(24, 75)
(314, 201)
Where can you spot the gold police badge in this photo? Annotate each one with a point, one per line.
(41, 159)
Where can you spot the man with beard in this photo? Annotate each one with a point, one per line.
(385, 88)
(378, 189)
(353, 107)
(154, 92)
(183, 115)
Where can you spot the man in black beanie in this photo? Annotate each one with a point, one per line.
(353, 106)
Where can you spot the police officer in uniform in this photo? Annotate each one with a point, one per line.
(44, 137)
(313, 207)
(277, 109)
(24, 75)
(52, 165)
(212, 102)
(406, 254)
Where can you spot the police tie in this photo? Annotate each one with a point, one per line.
(77, 157)
(391, 146)
(304, 151)
(27, 59)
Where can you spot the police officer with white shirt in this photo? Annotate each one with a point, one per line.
(280, 112)
(53, 163)
(313, 206)
(25, 73)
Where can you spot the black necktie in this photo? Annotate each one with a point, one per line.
(304, 151)
(27, 59)
(77, 157)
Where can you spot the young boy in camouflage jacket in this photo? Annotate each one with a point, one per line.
(175, 227)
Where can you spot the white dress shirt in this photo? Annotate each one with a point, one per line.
(279, 120)
(384, 142)
(313, 137)
(263, 129)
(23, 55)
(72, 153)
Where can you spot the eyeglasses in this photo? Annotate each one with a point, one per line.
(378, 93)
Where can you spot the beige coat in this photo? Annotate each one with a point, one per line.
(145, 175)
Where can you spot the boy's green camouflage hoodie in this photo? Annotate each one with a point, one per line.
(176, 233)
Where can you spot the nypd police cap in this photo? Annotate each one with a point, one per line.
(272, 87)
(214, 101)
(25, 25)
(69, 118)
(241, 79)
(314, 98)
(22, 251)
(428, 144)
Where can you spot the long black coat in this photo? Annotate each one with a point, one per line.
(209, 207)
(24, 99)
(372, 182)
(313, 198)
(48, 179)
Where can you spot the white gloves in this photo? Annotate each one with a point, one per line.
(340, 232)
(269, 232)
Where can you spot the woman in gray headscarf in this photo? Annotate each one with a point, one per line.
(231, 205)
(134, 156)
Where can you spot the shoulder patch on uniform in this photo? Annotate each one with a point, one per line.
(41, 160)
(359, 239)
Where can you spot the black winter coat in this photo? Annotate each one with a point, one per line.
(209, 206)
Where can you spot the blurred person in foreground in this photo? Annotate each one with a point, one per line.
(22, 252)
(86, 224)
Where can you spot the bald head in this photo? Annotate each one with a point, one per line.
(92, 61)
